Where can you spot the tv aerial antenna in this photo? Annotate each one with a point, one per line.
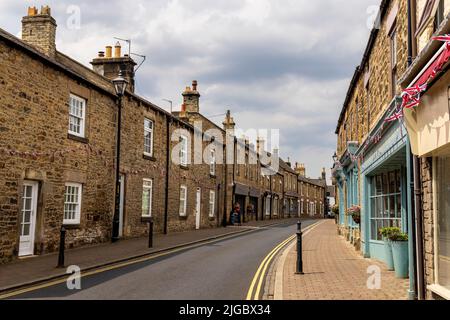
(128, 41)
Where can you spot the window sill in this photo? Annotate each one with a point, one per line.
(440, 291)
(77, 138)
(149, 157)
(72, 226)
(146, 219)
(183, 217)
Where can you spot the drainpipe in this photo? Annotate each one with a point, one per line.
(166, 200)
(412, 295)
(419, 229)
(417, 221)
(225, 167)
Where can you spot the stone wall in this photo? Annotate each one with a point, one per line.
(428, 221)
(34, 120)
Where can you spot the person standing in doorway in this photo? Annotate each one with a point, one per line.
(236, 215)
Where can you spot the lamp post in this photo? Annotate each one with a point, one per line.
(120, 85)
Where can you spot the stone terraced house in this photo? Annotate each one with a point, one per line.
(58, 131)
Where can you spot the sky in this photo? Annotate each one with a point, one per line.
(276, 64)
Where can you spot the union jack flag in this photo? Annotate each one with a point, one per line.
(395, 116)
(443, 38)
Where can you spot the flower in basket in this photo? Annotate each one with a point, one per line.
(335, 209)
(355, 212)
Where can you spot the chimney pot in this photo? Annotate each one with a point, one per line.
(117, 50)
(108, 52)
(101, 54)
(46, 11)
(32, 11)
(194, 85)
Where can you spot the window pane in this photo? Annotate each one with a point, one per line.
(378, 185)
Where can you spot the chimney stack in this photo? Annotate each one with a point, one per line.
(260, 145)
(39, 30)
(324, 174)
(229, 123)
(191, 98)
(300, 169)
(109, 66)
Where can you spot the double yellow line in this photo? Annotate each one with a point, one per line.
(254, 291)
(259, 277)
(119, 265)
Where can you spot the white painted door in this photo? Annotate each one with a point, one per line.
(28, 221)
(198, 205)
(122, 198)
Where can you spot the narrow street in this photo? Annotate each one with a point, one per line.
(221, 270)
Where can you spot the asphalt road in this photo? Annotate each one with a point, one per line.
(222, 270)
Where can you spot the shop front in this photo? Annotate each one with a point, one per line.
(345, 174)
(385, 172)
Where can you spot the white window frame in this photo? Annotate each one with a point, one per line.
(183, 150)
(81, 116)
(267, 205)
(150, 205)
(77, 219)
(212, 204)
(183, 200)
(212, 164)
(151, 132)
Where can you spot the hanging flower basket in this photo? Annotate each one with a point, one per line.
(355, 212)
(335, 209)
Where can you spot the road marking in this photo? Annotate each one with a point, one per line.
(118, 266)
(260, 273)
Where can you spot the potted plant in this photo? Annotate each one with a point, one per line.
(400, 254)
(355, 212)
(388, 255)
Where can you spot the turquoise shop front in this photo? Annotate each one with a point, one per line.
(385, 171)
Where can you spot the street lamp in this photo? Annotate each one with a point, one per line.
(335, 157)
(120, 86)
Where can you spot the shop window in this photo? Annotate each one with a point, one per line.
(385, 202)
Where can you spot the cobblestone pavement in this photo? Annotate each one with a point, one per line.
(334, 270)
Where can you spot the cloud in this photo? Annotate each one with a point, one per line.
(283, 64)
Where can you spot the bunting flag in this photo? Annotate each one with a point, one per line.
(396, 116)
(443, 38)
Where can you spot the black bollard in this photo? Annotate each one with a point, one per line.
(299, 249)
(150, 234)
(62, 246)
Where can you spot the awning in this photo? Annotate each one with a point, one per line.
(292, 195)
(241, 189)
(255, 193)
